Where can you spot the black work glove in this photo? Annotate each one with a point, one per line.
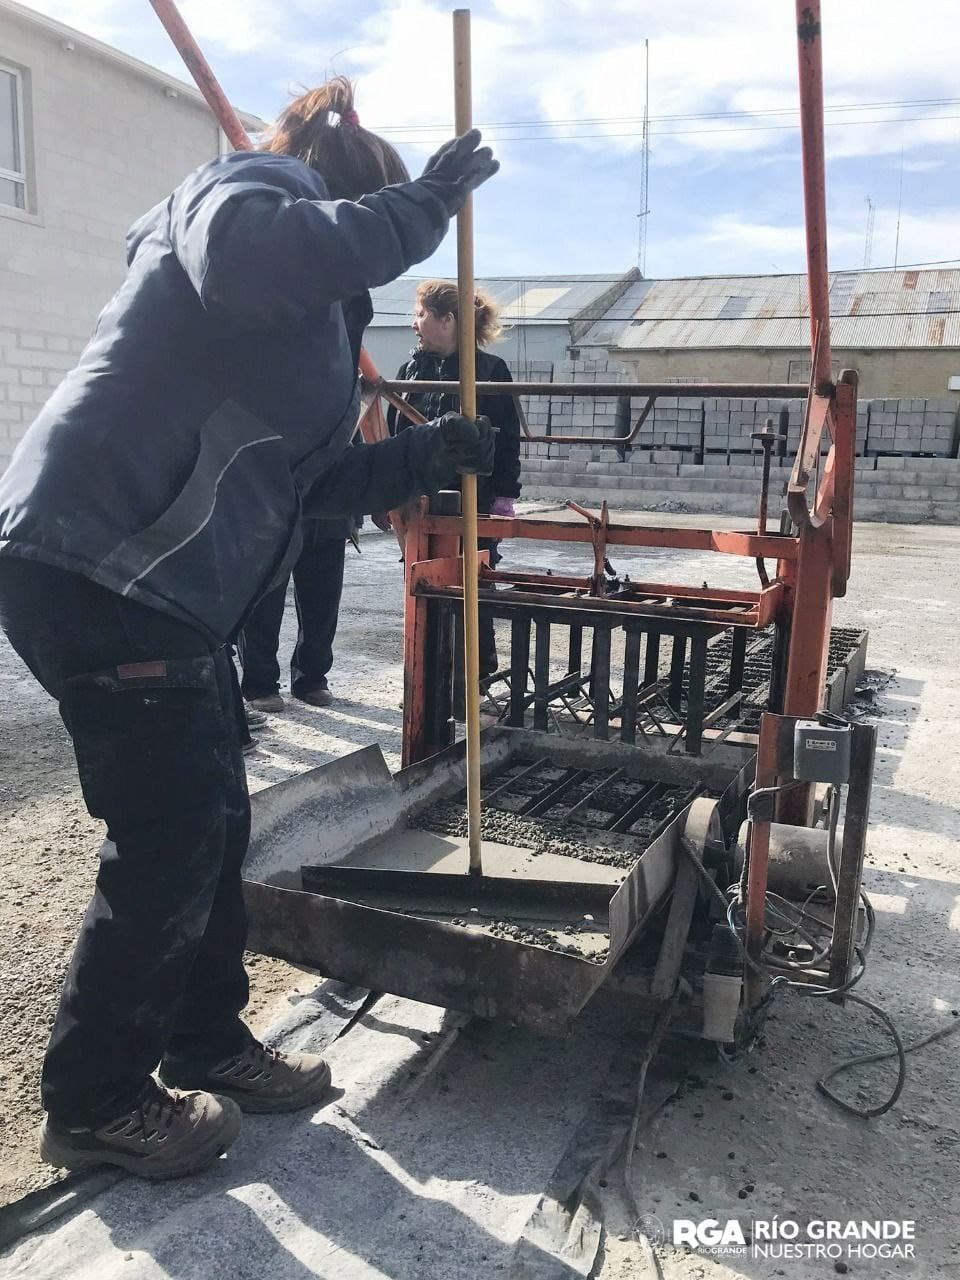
(469, 443)
(458, 168)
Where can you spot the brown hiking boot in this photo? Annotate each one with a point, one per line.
(260, 1079)
(270, 702)
(321, 697)
(166, 1134)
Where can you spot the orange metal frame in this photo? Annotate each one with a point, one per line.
(813, 565)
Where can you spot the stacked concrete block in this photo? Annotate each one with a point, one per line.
(939, 436)
(589, 415)
(863, 426)
(721, 430)
(536, 409)
(729, 425)
(716, 426)
(881, 426)
(689, 436)
(908, 428)
(912, 427)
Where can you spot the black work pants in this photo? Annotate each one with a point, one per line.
(158, 967)
(318, 584)
(486, 634)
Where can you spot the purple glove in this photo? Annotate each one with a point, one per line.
(503, 507)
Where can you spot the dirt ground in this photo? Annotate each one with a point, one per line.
(750, 1141)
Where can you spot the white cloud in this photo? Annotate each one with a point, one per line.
(243, 26)
(931, 236)
(922, 166)
(741, 244)
(557, 61)
(97, 18)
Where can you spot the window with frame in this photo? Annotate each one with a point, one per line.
(799, 370)
(13, 164)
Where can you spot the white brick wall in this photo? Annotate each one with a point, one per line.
(106, 143)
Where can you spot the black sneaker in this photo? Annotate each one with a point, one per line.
(259, 1079)
(165, 1134)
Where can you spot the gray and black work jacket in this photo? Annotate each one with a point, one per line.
(213, 407)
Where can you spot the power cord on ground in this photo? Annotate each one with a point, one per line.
(899, 1052)
(815, 990)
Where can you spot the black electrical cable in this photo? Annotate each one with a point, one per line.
(899, 1053)
(817, 991)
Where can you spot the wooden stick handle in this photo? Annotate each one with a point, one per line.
(467, 339)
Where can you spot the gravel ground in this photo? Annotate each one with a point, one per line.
(773, 1134)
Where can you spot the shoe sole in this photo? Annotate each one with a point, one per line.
(157, 1168)
(253, 1104)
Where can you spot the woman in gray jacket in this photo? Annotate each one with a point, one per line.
(156, 498)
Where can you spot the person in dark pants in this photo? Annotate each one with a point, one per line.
(436, 359)
(318, 585)
(246, 720)
(158, 495)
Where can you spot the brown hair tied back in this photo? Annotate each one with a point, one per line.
(321, 127)
(441, 297)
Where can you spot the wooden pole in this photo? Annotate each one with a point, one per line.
(467, 340)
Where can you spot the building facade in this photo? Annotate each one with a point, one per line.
(89, 140)
(899, 329)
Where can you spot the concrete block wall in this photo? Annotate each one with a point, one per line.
(696, 454)
(698, 428)
(911, 426)
(893, 489)
(536, 409)
(920, 427)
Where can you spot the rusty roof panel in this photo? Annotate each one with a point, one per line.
(868, 309)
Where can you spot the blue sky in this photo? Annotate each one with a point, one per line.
(725, 191)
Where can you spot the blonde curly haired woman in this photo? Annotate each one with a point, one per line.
(436, 359)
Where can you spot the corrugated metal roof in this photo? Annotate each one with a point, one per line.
(528, 300)
(915, 308)
(605, 331)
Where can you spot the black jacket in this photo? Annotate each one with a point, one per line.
(501, 410)
(214, 404)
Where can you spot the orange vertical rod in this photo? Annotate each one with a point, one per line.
(810, 52)
(414, 642)
(202, 72)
